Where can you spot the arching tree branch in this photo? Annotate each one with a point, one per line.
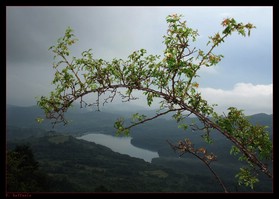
(171, 79)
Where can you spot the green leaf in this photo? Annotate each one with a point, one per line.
(149, 99)
(234, 150)
(39, 120)
(183, 126)
(245, 177)
(207, 138)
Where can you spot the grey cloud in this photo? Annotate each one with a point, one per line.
(31, 30)
(117, 32)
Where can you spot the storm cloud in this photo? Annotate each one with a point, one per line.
(118, 31)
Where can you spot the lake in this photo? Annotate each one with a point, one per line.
(121, 145)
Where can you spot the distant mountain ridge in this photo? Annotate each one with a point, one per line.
(14, 111)
(83, 120)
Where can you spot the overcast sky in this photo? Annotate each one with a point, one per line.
(243, 78)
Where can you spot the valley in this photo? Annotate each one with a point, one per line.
(89, 167)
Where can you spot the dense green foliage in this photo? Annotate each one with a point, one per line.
(172, 79)
(23, 174)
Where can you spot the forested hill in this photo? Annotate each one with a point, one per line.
(74, 165)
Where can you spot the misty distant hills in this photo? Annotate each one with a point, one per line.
(26, 116)
(79, 119)
(83, 121)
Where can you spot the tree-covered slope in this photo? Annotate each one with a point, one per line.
(88, 167)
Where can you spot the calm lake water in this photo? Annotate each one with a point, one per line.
(121, 145)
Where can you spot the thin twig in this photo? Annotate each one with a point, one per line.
(175, 148)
